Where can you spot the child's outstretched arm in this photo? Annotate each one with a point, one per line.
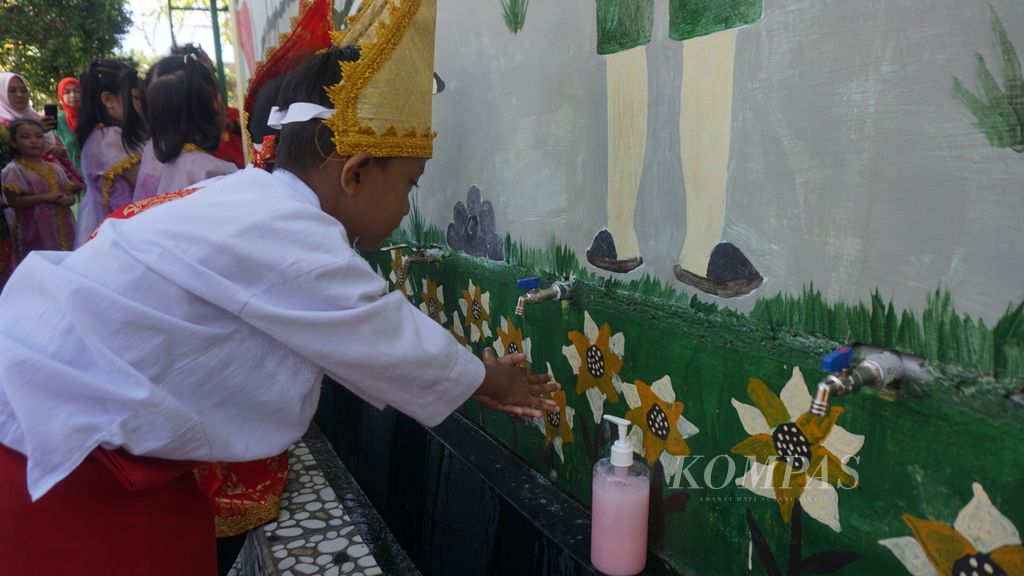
(508, 388)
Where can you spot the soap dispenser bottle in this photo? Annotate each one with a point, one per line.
(618, 536)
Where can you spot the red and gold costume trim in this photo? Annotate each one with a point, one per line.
(311, 33)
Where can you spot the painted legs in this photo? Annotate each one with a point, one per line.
(705, 124)
(705, 121)
(627, 140)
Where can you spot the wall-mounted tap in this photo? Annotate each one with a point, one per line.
(878, 369)
(420, 255)
(557, 291)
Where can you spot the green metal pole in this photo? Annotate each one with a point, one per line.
(217, 51)
(170, 20)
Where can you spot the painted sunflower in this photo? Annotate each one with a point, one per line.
(795, 455)
(557, 426)
(398, 276)
(433, 301)
(660, 430)
(476, 309)
(457, 332)
(599, 378)
(981, 541)
(512, 342)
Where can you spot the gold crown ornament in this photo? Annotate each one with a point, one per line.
(383, 103)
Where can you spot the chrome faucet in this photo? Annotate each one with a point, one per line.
(557, 291)
(420, 255)
(878, 369)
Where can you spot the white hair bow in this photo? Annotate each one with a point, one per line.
(297, 112)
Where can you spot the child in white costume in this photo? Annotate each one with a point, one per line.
(200, 328)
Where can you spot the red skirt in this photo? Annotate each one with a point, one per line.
(115, 514)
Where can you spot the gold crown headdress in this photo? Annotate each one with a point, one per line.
(383, 103)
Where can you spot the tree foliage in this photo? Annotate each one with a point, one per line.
(46, 40)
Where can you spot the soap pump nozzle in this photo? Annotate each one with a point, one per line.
(622, 450)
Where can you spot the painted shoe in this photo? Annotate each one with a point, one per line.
(602, 254)
(730, 273)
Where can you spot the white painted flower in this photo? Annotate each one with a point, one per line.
(399, 275)
(557, 427)
(599, 378)
(458, 332)
(982, 541)
(660, 430)
(476, 309)
(511, 341)
(433, 301)
(793, 454)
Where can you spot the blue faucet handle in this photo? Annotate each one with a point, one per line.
(837, 360)
(528, 283)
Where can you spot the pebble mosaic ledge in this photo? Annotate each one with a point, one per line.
(314, 534)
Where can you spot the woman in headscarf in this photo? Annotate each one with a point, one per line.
(15, 103)
(67, 118)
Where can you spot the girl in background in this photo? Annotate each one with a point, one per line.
(111, 134)
(230, 148)
(67, 119)
(186, 117)
(39, 192)
(15, 103)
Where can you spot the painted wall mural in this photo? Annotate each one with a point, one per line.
(514, 12)
(981, 541)
(998, 110)
(472, 229)
(818, 161)
(736, 456)
(707, 31)
(737, 188)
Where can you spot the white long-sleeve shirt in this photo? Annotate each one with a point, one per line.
(199, 329)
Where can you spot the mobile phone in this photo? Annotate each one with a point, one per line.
(50, 111)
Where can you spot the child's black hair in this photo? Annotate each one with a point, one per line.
(134, 131)
(179, 105)
(102, 76)
(266, 99)
(305, 145)
(12, 131)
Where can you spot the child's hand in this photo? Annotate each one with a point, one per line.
(513, 390)
(66, 200)
(54, 197)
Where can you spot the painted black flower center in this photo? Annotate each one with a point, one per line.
(513, 348)
(657, 421)
(595, 361)
(555, 419)
(977, 565)
(792, 446)
(477, 310)
(433, 307)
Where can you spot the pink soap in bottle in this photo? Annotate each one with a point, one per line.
(618, 534)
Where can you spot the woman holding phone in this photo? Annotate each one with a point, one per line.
(15, 104)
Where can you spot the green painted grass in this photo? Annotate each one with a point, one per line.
(998, 111)
(938, 333)
(514, 13)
